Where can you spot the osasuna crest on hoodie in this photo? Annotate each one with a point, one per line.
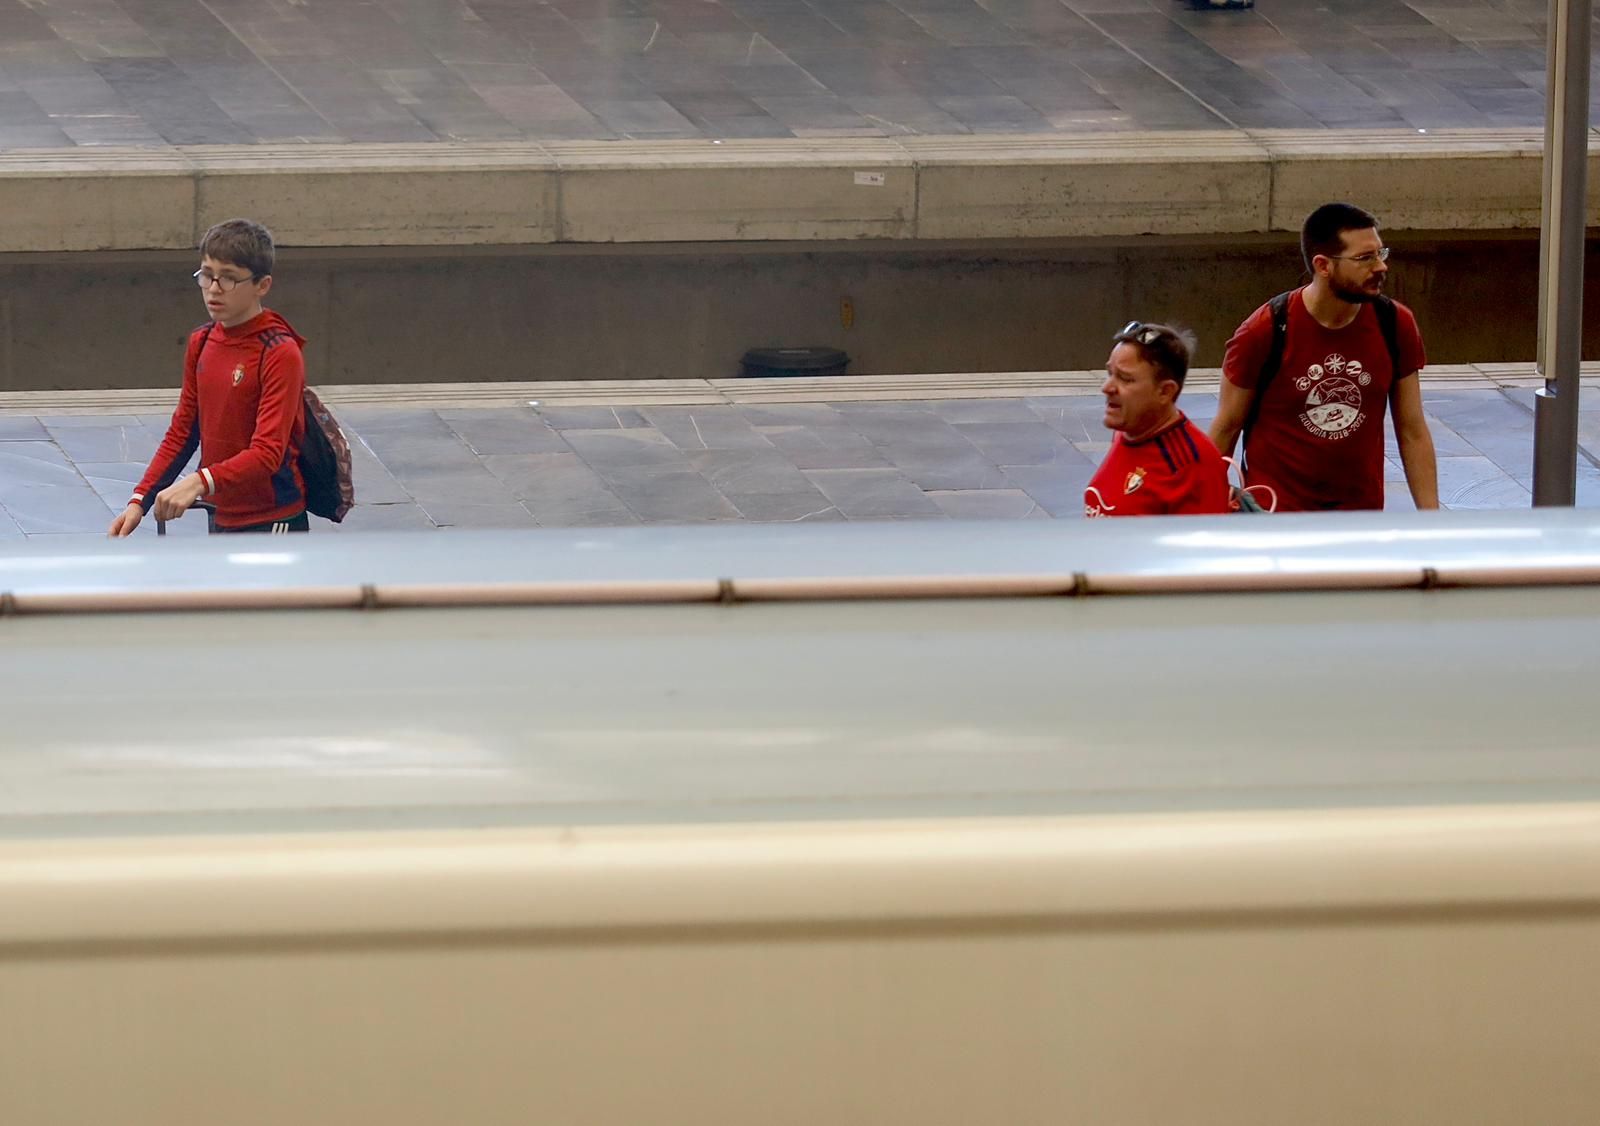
(242, 405)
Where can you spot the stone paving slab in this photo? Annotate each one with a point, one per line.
(131, 125)
(999, 457)
(125, 73)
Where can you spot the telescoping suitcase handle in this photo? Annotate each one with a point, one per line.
(197, 506)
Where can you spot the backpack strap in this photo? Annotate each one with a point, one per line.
(1269, 367)
(205, 334)
(1389, 322)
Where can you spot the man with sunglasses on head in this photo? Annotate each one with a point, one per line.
(1307, 377)
(1160, 463)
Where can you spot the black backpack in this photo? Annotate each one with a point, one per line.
(1388, 323)
(324, 455)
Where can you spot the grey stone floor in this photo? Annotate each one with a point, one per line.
(169, 72)
(64, 476)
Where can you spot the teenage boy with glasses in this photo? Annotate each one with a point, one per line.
(242, 401)
(1307, 378)
(1160, 463)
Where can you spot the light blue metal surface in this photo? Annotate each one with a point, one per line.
(1179, 547)
(341, 719)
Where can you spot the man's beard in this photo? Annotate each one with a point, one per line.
(1353, 296)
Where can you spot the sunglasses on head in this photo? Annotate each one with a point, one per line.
(1137, 332)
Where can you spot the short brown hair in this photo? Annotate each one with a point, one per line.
(1165, 346)
(1323, 231)
(243, 242)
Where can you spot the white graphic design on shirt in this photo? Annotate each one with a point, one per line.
(1333, 397)
(1096, 506)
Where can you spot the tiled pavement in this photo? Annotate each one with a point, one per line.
(1002, 458)
(171, 72)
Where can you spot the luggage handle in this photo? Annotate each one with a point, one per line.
(204, 506)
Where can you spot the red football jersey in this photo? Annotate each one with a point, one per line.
(1176, 471)
(1318, 438)
(242, 403)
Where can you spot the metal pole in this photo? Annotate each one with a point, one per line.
(1566, 155)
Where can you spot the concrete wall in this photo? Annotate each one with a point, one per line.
(690, 311)
(750, 191)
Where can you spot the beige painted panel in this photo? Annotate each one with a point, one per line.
(1046, 187)
(103, 201)
(676, 192)
(1454, 179)
(1417, 966)
(1477, 1022)
(378, 195)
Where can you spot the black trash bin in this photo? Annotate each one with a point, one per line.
(766, 362)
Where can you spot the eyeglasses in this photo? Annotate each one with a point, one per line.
(1371, 257)
(204, 278)
(1137, 332)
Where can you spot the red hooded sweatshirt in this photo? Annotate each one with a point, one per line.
(243, 404)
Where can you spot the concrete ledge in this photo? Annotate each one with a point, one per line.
(1094, 185)
(1063, 187)
(756, 190)
(77, 200)
(372, 195)
(1450, 179)
(724, 392)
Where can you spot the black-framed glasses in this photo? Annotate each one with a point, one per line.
(1371, 257)
(203, 278)
(1137, 332)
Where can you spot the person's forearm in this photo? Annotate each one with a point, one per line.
(1224, 434)
(1233, 408)
(176, 499)
(1422, 468)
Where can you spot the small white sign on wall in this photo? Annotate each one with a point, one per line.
(870, 179)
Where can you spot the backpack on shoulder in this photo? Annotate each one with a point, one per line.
(1388, 324)
(325, 463)
(324, 455)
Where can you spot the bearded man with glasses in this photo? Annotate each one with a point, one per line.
(1307, 378)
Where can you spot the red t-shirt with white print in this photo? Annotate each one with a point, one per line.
(1318, 439)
